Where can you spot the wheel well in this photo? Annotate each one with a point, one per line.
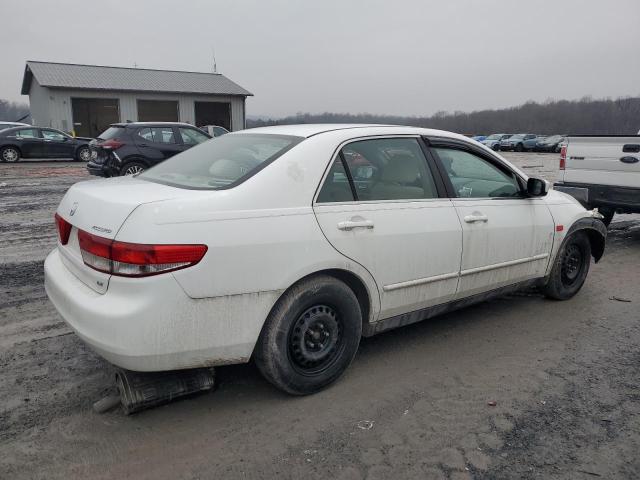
(12, 146)
(354, 282)
(357, 286)
(597, 242)
(128, 160)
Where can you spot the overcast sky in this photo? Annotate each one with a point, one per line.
(404, 57)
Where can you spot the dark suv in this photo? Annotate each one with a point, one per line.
(129, 148)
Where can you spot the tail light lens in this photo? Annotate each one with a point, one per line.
(563, 157)
(64, 229)
(112, 144)
(135, 259)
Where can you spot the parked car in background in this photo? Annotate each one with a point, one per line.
(516, 142)
(130, 148)
(479, 138)
(529, 145)
(270, 244)
(602, 172)
(493, 141)
(5, 125)
(549, 144)
(214, 130)
(40, 142)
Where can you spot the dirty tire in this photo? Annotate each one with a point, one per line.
(311, 336)
(570, 268)
(83, 154)
(9, 154)
(132, 168)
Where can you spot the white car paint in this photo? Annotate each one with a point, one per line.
(267, 233)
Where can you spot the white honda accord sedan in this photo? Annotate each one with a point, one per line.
(288, 244)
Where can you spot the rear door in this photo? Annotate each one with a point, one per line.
(29, 142)
(157, 143)
(381, 205)
(56, 145)
(507, 236)
(603, 161)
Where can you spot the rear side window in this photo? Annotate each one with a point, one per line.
(223, 163)
(381, 169)
(475, 177)
(27, 133)
(157, 134)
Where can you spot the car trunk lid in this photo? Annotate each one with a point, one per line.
(100, 207)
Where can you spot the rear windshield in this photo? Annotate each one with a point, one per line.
(222, 162)
(111, 132)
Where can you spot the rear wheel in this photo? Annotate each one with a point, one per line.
(311, 336)
(9, 154)
(132, 168)
(519, 147)
(570, 269)
(83, 154)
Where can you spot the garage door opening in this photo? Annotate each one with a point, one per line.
(213, 113)
(157, 111)
(92, 116)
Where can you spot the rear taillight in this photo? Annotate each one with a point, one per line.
(112, 144)
(64, 229)
(563, 157)
(135, 259)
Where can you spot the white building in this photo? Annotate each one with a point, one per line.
(85, 99)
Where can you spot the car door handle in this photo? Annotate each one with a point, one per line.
(629, 160)
(351, 224)
(476, 217)
(143, 145)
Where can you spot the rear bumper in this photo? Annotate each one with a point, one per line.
(96, 169)
(152, 325)
(624, 198)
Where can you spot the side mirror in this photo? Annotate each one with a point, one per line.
(537, 187)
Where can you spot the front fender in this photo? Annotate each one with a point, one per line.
(597, 232)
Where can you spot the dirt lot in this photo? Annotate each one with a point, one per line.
(415, 403)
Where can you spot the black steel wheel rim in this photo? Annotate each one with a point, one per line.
(315, 340)
(572, 264)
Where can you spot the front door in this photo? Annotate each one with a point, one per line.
(381, 206)
(56, 144)
(507, 237)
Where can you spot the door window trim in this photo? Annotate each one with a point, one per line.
(454, 144)
(430, 164)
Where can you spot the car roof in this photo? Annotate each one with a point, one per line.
(150, 124)
(310, 130)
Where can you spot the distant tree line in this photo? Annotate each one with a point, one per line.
(13, 111)
(581, 117)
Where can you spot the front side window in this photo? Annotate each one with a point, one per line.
(52, 135)
(225, 162)
(191, 136)
(27, 133)
(475, 177)
(381, 169)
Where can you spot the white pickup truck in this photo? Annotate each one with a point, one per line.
(602, 172)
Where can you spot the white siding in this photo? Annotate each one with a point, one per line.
(39, 105)
(54, 107)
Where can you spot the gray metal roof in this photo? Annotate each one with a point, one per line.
(95, 77)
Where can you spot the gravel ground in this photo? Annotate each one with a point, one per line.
(416, 403)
